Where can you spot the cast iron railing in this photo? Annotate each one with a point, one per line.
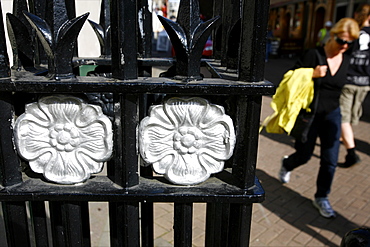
(212, 122)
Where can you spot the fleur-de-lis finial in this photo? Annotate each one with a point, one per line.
(102, 30)
(20, 37)
(188, 36)
(59, 39)
(4, 60)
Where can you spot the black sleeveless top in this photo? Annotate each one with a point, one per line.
(329, 87)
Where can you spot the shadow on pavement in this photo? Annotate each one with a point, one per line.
(297, 211)
(362, 146)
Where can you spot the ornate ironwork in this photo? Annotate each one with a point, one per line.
(58, 38)
(20, 37)
(104, 100)
(188, 36)
(4, 59)
(66, 132)
(186, 139)
(103, 29)
(64, 138)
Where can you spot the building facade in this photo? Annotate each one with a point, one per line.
(295, 24)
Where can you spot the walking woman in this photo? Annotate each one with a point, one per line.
(329, 78)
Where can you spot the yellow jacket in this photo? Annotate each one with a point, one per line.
(294, 93)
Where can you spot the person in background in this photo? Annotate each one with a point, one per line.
(329, 76)
(324, 34)
(357, 87)
(164, 9)
(269, 38)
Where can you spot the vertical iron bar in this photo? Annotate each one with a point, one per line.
(233, 36)
(253, 40)
(16, 226)
(183, 222)
(226, 26)
(56, 221)
(251, 68)
(217, 33)
(70, 223)
(38, 217)
(147, 222)
(71, 9)
(124, 224)
(124, 170)
(124, 39)
(130, 118)
(15, 215)
(145, 29)
(245, 152)
(217, 225)
(147, 213)
(37, 7)
(10, 168)
(240, 225)
(76, 222)
(124, 217)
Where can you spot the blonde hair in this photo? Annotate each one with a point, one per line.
(346, 25)
(362, 14)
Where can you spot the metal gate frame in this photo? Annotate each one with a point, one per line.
(237, 84)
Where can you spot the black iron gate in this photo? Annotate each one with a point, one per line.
(58, 128)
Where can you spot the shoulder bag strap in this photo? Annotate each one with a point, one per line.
(318, 80)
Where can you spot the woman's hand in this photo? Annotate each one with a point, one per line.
(320, 71)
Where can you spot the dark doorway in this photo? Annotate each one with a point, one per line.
(319, 21)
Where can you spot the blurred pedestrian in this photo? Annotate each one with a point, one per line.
(269, 38)
(324, 34)
(357, 87)
(329, 68)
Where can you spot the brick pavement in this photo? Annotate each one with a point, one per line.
(286, 217)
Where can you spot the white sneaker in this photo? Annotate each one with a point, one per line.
(284, 175)
(324, 207)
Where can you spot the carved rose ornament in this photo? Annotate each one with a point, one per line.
(64, 139)
(186, 139)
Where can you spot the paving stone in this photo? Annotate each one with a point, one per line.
(303, 238)
(162, 243)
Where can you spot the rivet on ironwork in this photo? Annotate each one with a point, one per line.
(102, 30)
(59, 39)
(188, 36)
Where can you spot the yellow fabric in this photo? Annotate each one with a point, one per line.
(294, 93)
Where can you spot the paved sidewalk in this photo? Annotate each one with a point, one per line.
(287, 217)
